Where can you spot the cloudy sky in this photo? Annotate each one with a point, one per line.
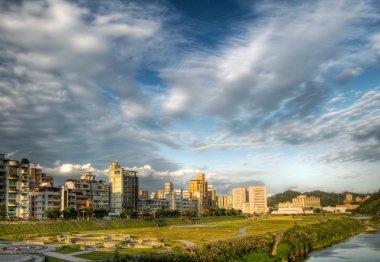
(285, 94)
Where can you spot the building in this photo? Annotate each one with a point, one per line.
(224, 201)
(211, 197)
(96, 192)
(143, 193)
(68, 198)
(37, 178)
(124, 188)
(43, 198)
(307, 202)
(14, 187)
(239, 196)
(199, 188)
(348, 198)
(257, 198)
(150, 204)
(348, 206)
(168, 187)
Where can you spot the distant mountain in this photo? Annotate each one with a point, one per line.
(327, 199)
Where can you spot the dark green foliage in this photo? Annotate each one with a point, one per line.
(3, 212)
(327, 199)
(69, 213)
(52, 213)
(24, 161)
(298, 241)
(166, 213)
(371, 206)
(282, 197)
(128, 213)
(100, 212)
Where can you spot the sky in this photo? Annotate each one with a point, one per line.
(278, 93)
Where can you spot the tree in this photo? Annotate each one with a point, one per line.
(3, 212)
(69, 213)
(52, 213)
(126, 213)
(100, 212)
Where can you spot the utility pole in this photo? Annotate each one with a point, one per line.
(83, 211)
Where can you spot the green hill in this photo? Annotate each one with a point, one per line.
(371, 206)
(327, 199)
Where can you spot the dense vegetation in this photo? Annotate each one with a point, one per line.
(371, 206)
(220, 251)
(298, 241)
(72, 213)
(327, 199)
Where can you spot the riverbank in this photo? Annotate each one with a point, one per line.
(362, 247)
(295, 243)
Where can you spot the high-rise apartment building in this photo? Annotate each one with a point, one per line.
(168, 187)
(43, 198)
(37, 178)
(224, 201)
(143, 193)
(124, 188)
(97, 193)
(239, 196)
(257, 196)
(199, 188)
(14, 187)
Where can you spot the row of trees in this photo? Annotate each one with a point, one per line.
(72, 213)
(161, 213)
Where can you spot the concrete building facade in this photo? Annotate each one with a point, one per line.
(257, 196)
(124, 186)
(14, 187)
(43, 198)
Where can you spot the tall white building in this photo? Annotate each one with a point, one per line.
(14, 187)
(257, 196)
(250, 200)
(124, 186)
(239, 196)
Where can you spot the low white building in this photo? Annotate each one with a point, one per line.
(292, 211)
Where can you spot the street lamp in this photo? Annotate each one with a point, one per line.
(83, 211)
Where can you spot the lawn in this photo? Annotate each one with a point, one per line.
(69, 249)
(106, 255)
(54, 259)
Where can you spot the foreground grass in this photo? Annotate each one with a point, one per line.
(106, 255)
(69, 249)
(54, 259)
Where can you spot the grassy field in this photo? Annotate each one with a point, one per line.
(69, 249)
(54, 259)
(203, 231)
(106, 255)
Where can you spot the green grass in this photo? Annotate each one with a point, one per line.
(106, 255)
(20, 230)
(254, 256)
(69, 249)
(54, 259)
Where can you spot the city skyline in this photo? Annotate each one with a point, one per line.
(274, 93)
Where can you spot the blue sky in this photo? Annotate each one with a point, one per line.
(281, 93)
